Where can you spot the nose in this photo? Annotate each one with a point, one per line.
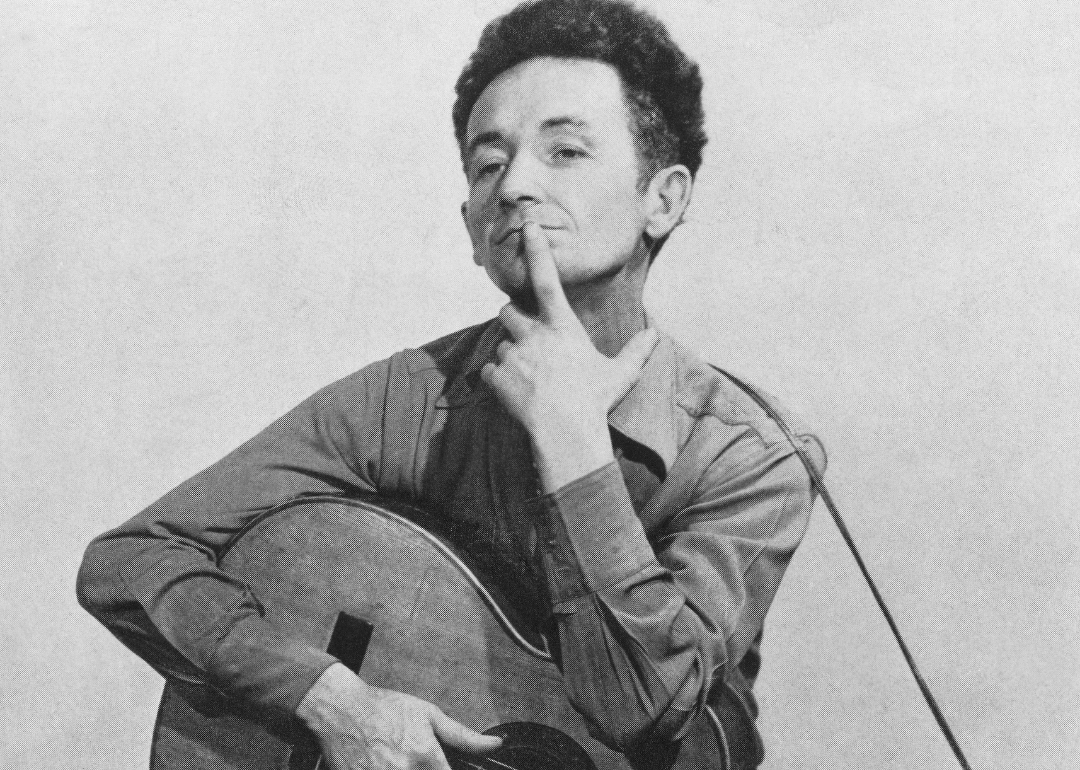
(520, 185)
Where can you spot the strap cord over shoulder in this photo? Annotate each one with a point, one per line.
(819, 485)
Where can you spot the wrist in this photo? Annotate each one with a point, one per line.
(323, 701)
(565, 454)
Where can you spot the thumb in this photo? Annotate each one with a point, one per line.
(458, 736)
(637, 351)
(632, 357)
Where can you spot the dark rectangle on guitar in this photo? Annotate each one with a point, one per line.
(349, 641)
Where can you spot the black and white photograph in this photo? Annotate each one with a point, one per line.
(540, 385)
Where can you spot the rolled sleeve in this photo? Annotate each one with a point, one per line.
(154, 580)
(729, 550)
(635, 662)
(646, 628)
(595, 540)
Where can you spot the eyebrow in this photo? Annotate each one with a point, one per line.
(495, 137)
(488, 137)
(565, 121)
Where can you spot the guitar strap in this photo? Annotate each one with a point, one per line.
(819, 485)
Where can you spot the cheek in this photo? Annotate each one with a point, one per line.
(477, 223)
(616, 221)
(613, 204)
(480, 198)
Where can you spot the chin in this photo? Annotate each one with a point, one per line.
(516, 291)
(516, 287)
(509, 275)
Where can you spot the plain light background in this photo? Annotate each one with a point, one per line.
(209, 210)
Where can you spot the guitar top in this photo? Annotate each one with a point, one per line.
(401, 607)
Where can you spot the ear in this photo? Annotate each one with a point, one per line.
(668, 196)
(465, 219)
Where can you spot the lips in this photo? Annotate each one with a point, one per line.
(506, 233)
(510, 229)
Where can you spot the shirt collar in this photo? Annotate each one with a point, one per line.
(647, 412)
(645, 415)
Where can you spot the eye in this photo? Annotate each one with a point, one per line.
(567, 153)
(482, 168)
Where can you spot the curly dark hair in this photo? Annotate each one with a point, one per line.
(661, 85)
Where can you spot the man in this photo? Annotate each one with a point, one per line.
(605, 473)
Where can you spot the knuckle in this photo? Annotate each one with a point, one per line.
(432, 759)
(509, 359)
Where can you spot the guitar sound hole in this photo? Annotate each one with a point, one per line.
(526, 746)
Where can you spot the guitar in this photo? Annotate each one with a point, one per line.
(397, 604)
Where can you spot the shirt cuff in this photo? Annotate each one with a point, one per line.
(593, 538)
(272, 674)
(231, 646)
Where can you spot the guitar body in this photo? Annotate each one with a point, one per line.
(424, 623)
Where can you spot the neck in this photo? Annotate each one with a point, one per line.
(612, 309)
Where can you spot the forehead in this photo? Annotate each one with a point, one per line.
(531, 94)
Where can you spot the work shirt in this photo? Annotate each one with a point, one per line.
(655, 571)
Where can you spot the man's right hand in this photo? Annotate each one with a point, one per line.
(367, 728)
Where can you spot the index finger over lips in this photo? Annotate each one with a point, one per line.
(551, 301)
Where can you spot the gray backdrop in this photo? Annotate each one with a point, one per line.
(208, 210)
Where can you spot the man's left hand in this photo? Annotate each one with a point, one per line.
(554, 381)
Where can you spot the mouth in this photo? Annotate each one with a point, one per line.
(505, 234)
